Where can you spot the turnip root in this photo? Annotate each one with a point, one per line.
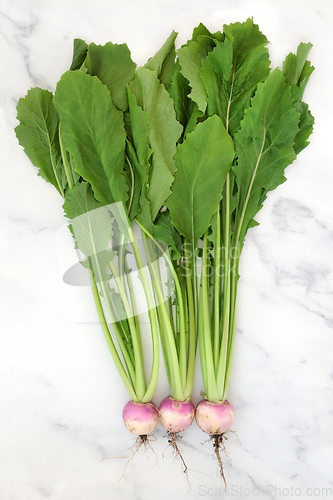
(176, 416)
(215, 418)
(140, 418)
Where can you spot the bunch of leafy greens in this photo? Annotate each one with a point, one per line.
(251, 121)
(243, 124)
(187, 148)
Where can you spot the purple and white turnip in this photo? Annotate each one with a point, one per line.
(140, 418)
(214, 417)
(176, 416)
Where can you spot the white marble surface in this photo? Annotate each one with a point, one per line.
(60, 395)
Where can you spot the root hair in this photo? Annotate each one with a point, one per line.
(218, 445)
(142, 440)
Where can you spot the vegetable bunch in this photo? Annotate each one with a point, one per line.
(187, 148)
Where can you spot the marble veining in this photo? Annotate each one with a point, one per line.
(61, 436)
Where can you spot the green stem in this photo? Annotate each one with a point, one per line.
(203, 361)
(113, 318)
(121, 333)
(64, 160)
(140, 382)
(222, 362)
(194, 279)
(132, 295)
(121, 259)
(54, 169)
(237, 241)
(132, 185)
(152, 318)
(161, 325)
(217, 290)
(182, 318)
(166, 330)
(177, 390)
(232, 325)
(174, 275)
(182, 350)
(212, 392)
(192, 335)
(174, 322)
(165, 351)
(109, 340)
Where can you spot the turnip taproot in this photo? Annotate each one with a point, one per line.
(176, 416)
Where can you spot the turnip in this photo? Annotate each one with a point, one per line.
(140, 418)
(214, 418)
(176, 416)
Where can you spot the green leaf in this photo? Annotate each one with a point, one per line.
(297, 71)
(202, 30)
(74, 175)
(163, 61)
(91, 226)
(38, 134)
(79, 54)
(166, 232)
(99, 265)
(133, 183)
(139, 155)
(163, 133)
(264, 147)
(245, 37)
(139, 121)
(94, 134)
(306, 123)
(190, 58)
(121, 316)
(232, 71)
(203, 161)
(187, 112)
(140, 207)
(113, 65)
